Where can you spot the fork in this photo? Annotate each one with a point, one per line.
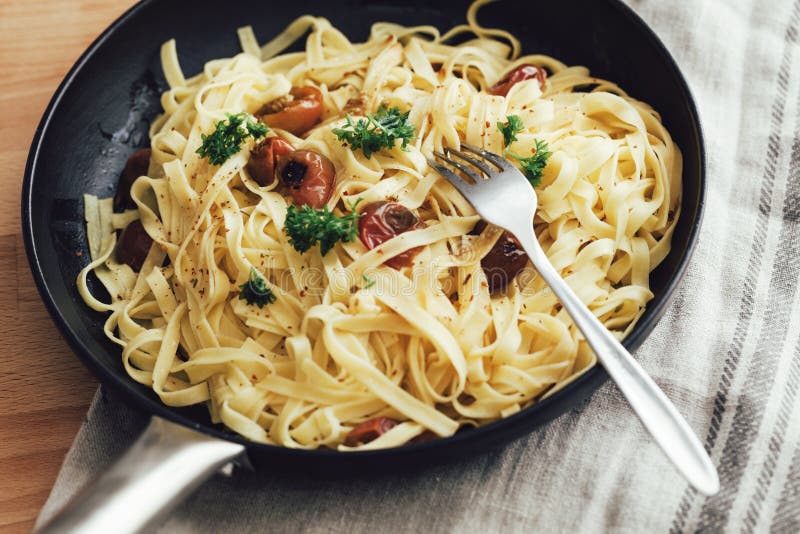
(503, 196)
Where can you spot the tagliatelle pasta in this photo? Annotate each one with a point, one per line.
(349, 339)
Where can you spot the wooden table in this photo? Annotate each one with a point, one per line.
(44, 389)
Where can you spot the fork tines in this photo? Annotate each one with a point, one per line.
(488, 164)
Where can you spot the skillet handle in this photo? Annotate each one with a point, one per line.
(161, 468)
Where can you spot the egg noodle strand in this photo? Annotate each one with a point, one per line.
(426, 345)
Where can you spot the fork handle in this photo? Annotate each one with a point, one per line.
(670, 430)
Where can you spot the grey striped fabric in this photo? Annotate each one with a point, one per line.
(727, 353)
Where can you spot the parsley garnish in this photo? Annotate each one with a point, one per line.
(307, 227)
(228, 137)
(369, 281)
(510, 128)
(255, 290)
(377, 131)
(533, 166)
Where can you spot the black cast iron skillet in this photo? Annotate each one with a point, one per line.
(100, 113)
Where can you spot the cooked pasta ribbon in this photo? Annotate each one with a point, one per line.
(425, 345)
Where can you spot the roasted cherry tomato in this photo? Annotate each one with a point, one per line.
(369, 430)
(133, 246)
(264, 159)
(523, 72)
(135, 167)
(504, 261)
(381, 221)
(298, 115)
(427, 435)
(308, 176)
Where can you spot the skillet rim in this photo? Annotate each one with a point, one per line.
(547, 409)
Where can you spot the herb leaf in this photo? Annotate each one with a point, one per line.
(257, 129)
(510, 128)
(533, 166)
(377, 131)
(228, 137)
(369, 282)
(255, 290)
(307, 227)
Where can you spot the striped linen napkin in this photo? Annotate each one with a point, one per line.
(727, 352)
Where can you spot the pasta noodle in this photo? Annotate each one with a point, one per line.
(349, 339)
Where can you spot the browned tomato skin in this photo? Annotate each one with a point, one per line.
(504, 262)
(427, 435)
(299, 115)
(308, 176)
(133, 246)
(264, 159)
(369, 431)
(521, 73)
(381, 221)
(135, 167)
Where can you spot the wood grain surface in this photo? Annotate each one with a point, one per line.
(44, 389)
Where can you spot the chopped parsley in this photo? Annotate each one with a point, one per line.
(377, 131)
(510, 128)
(533, 166)
(228, 137)
(307, 226)
(369, 282)
(255, 290)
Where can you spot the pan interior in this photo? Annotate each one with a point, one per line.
(100, 115)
